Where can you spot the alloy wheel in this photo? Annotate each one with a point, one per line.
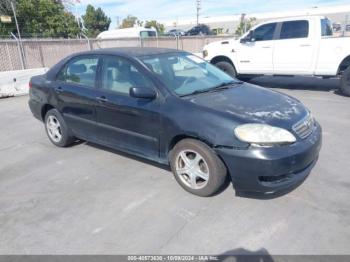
(53, 127)
(192, 169)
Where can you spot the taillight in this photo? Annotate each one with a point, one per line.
(30, 85)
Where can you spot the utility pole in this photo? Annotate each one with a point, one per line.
(118, 21)
(198, 8)
(14, 14)
(19, 35)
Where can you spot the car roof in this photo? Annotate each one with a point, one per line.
(133, 51)
(293, 18)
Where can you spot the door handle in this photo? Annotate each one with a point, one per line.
(305, 45)
(58, 89)
(266, 47)
(101, 99)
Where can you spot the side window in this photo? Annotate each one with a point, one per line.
(265, 32)
(295, 29)
(119, 75)
(80, 71)
(154, 65)
(326, 28)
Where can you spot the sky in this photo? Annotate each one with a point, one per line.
(165, 10)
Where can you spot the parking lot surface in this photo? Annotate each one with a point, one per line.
(91, 200)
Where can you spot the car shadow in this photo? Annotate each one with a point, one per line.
(242, 255)
(297, 83)
(150, 162)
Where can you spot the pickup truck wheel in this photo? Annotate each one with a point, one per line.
(197, 168)
(345, 82)
(57, 129)
(227, 67)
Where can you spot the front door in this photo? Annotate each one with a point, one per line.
(75, 89)
(255, 57)
(124, 122)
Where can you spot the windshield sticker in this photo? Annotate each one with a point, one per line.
(195, 59)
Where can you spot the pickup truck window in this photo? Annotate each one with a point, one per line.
(326, 27)
(295, 29)
(80, 71)
(265, 32)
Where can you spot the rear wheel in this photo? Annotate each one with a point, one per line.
(56, 129)
(227, 67)
(197, 168)
(345, 82)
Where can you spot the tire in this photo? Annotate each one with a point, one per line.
(227, 67)
(345, 82)
(57, 129)
(201, 160)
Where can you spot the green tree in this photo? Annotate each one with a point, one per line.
(130, 21)
(95, 21)
(5, 9)
(42, 18)
(158, 26)
(245, 25)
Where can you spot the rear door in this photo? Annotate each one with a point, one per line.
(75, 90)
(294, 49)
(124, 122)
(256, 57)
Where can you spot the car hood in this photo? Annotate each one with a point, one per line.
(249, 103)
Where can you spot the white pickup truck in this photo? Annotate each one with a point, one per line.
(289, 46)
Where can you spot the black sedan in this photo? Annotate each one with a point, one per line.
(172, 107)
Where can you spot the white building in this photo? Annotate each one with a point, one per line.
(228, 24)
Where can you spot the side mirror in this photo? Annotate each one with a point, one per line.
(249, 38)
(142, 92)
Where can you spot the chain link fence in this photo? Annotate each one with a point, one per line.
(36, 53)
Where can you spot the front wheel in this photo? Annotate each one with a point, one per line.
(57, 129)
(345, 82)
(227, 67)
(197, 168)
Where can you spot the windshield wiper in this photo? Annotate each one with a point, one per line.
(197, 92)
(223, 85)
(226, 85)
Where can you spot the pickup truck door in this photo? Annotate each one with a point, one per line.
(255, 56)
(294, 48)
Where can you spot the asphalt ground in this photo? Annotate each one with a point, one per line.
(92, 200)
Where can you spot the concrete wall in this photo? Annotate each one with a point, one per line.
(13, 83)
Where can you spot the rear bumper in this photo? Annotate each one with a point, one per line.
(35, 108)
(270, 172)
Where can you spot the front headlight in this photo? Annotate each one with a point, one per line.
(262, 134)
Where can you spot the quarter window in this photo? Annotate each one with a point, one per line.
(80, 71)
(265, 32)
(119, 75)
(295, 29)
(326, 27)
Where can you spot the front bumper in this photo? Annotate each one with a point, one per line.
(270, 172)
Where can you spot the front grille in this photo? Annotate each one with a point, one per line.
(304, 127)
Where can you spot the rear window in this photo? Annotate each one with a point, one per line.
(295, 29)
(326, 27)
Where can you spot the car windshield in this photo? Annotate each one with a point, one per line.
(187, 74)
